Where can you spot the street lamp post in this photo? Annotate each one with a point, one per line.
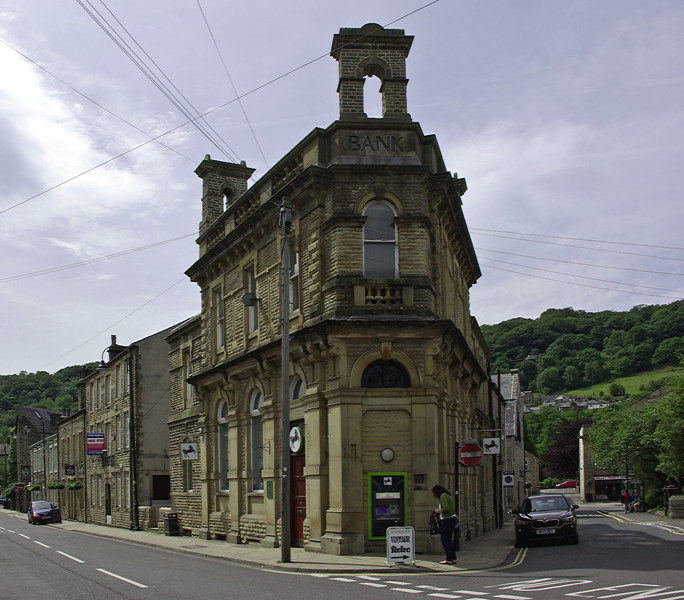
(285, 223)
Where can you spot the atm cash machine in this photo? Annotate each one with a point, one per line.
(386, 503)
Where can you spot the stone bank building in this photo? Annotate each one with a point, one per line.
(387, 370)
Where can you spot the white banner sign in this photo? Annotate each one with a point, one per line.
(401, 547)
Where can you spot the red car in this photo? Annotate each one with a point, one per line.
(568, 483)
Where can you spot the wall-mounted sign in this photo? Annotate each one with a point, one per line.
(508, 480)
(491, 446)
(189, 452)
(70, 470)
(95, 444)
(296, 439)
(470, 454)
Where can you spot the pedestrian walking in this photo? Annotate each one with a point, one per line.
(448, 522)
(626, 500)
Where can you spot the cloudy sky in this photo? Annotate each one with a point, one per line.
(565, 118)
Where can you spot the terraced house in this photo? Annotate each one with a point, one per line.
(126, 403)
(361, 223)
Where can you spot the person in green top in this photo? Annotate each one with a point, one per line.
(448, 522)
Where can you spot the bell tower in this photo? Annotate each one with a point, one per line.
(370, 51)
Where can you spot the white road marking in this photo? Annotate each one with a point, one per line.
(407, 590)
(78, 560)
(504, 597)
(25, 536)
(369, 577)
(371, 584)
(120, 578)
(439, 595)
(433, 588)
(344, 579)
(398, 582)
(471, 592)
(41, 544)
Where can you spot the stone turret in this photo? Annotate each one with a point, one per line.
(372, 51)
(221, 179)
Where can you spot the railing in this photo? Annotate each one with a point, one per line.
(384, 294)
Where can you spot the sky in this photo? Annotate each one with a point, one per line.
(565, 118)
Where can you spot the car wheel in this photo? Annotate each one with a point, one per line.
(574, 539)
(520, 542)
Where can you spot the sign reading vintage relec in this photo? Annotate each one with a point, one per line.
(401, 545)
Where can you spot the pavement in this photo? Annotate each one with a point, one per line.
(487, 551)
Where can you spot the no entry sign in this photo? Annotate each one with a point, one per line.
(470, 454)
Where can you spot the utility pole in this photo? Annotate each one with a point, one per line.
(285, 223)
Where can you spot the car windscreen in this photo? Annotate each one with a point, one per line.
(553, 504)
(41, 505)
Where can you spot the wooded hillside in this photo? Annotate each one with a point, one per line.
(565, 348)
(41, 389)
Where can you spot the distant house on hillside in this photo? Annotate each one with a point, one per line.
(33, 425)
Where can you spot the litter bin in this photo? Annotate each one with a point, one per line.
(171, 524)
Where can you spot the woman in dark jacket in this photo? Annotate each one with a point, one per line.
(448, 522)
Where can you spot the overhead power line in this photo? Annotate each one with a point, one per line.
(91, 261)
(595, 287)
(206, 113)
(109, 327)
(581, 247)
(181, 103)
(95, 102)
(576, 239)
(581, 264)
(503, 262)
(230, 79)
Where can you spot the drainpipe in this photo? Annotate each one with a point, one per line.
(132, 455)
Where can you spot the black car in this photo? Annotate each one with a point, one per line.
(42, 511)
(546, 517)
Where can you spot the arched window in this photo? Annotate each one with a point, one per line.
(385, 374)
(379, 242)
(222, 444)
(257, 435)
(296, 388)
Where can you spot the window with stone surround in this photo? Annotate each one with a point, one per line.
(252, 311)
(222, 444)
(187, 373)
(257, 441)
(294, 276)
(379, 241)
(218, 318)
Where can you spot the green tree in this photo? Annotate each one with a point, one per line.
(616, 389)
(571, 377)
(549, 380)
(669, 351)
(669, 432)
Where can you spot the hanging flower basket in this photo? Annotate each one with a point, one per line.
(34, 487)
(74, 485)
(55, 485)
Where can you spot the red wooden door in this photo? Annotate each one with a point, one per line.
(297, 500)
